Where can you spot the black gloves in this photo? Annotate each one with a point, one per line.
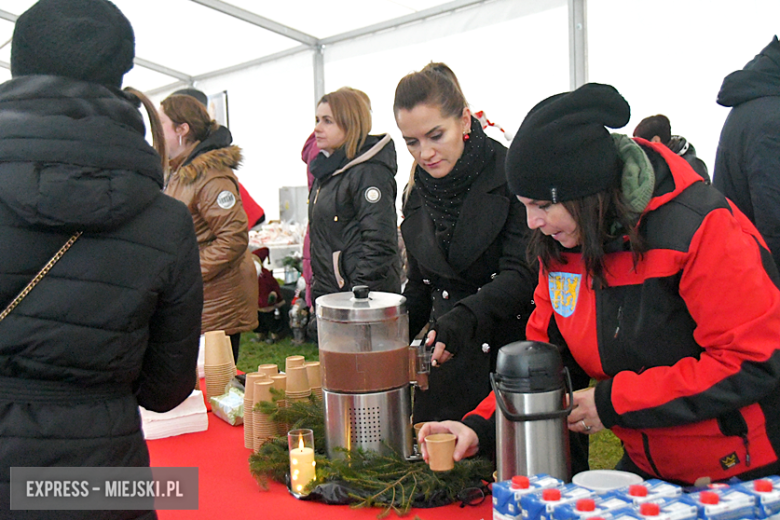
(455, 329)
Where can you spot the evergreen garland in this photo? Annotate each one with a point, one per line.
(370, 478)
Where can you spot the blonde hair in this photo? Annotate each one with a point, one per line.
(351, 110)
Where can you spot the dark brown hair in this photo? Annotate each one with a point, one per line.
(186, 109)
(600, 219)
(652, 126)
(435, 85)
(158, 137)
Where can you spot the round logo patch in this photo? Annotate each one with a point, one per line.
(373, 195)
(226, 200)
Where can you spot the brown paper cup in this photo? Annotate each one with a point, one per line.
(440, 448)
(262, 391)
(269, 369)
(417, 427)
(216, 350)
(293, 361)
(249, 386)
(314, 373)
(297, 380)
(280, 382)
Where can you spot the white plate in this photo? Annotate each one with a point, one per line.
(606, 479)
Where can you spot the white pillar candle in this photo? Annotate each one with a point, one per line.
(302, 466)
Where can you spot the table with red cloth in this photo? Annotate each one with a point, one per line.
(227, 490)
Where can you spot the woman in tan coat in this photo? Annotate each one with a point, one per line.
(202, 160)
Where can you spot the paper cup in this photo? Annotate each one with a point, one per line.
(440, 448)
(217, 350)
(297, 380)
(293, 361)
(249, 387)
(417, 427)
(314, 374)
(262, 391)
(280, 382)
(269, 369)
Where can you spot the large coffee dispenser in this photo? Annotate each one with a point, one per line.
(364, 356)
(531, 386)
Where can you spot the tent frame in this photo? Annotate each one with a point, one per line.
(578, 42)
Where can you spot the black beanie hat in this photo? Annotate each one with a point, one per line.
(193, 92)
(562, 150)
(88, 40)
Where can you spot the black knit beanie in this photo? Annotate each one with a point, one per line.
(193, 92)
(562, 150)
(88, 40)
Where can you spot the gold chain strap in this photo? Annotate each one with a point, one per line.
(38, 277)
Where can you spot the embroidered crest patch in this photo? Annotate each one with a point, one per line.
(564, 290)
(226, 200)
(373, 195)
(729, 461)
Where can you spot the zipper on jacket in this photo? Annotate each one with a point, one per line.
(646, 445)
(746, 442)
(316, 195)
(620, 315)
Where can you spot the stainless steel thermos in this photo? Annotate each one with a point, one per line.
(530, 384)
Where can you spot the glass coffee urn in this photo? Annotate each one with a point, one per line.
(364, 356)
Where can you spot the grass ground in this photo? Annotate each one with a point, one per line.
(605, 448)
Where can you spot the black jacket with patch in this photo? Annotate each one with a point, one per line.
(352, 223)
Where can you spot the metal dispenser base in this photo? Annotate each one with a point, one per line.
(372, 421)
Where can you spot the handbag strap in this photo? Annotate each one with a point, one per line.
(38, 277)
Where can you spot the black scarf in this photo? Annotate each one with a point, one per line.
(444, 197)
(324, 165)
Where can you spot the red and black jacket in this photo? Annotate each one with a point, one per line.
(686, 344)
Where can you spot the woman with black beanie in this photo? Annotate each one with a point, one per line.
(115, 321)
(659, 287)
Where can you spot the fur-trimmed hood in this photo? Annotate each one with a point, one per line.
(229, 157)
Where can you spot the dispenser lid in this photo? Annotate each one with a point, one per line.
(360, 305)
(529, 366)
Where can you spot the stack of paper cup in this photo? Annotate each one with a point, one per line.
(264, 428)
(219, 366)
(280, 383)
(298, 388)
(293, 361)
(269, 369)
(249, 391)
(315, 378)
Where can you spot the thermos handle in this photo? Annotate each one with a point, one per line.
(535, 416)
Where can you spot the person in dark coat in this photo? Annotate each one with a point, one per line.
(352, 217)
(465, 237)
(747, 163)
(116, 321)
(658, 129)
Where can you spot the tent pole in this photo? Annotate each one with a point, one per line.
(578, 43)
(319, 74)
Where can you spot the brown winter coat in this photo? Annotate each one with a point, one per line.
(209, 188)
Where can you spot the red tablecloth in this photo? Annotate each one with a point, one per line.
(228, 491)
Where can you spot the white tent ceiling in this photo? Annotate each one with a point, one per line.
(274, 59)
(186, 41)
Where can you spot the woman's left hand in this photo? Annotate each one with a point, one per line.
(439, 354)
(584, 418)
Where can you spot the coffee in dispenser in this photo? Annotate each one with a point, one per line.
(365, 362)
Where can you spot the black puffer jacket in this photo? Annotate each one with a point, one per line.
(747, 164)
(116, 322)
(352, 220)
